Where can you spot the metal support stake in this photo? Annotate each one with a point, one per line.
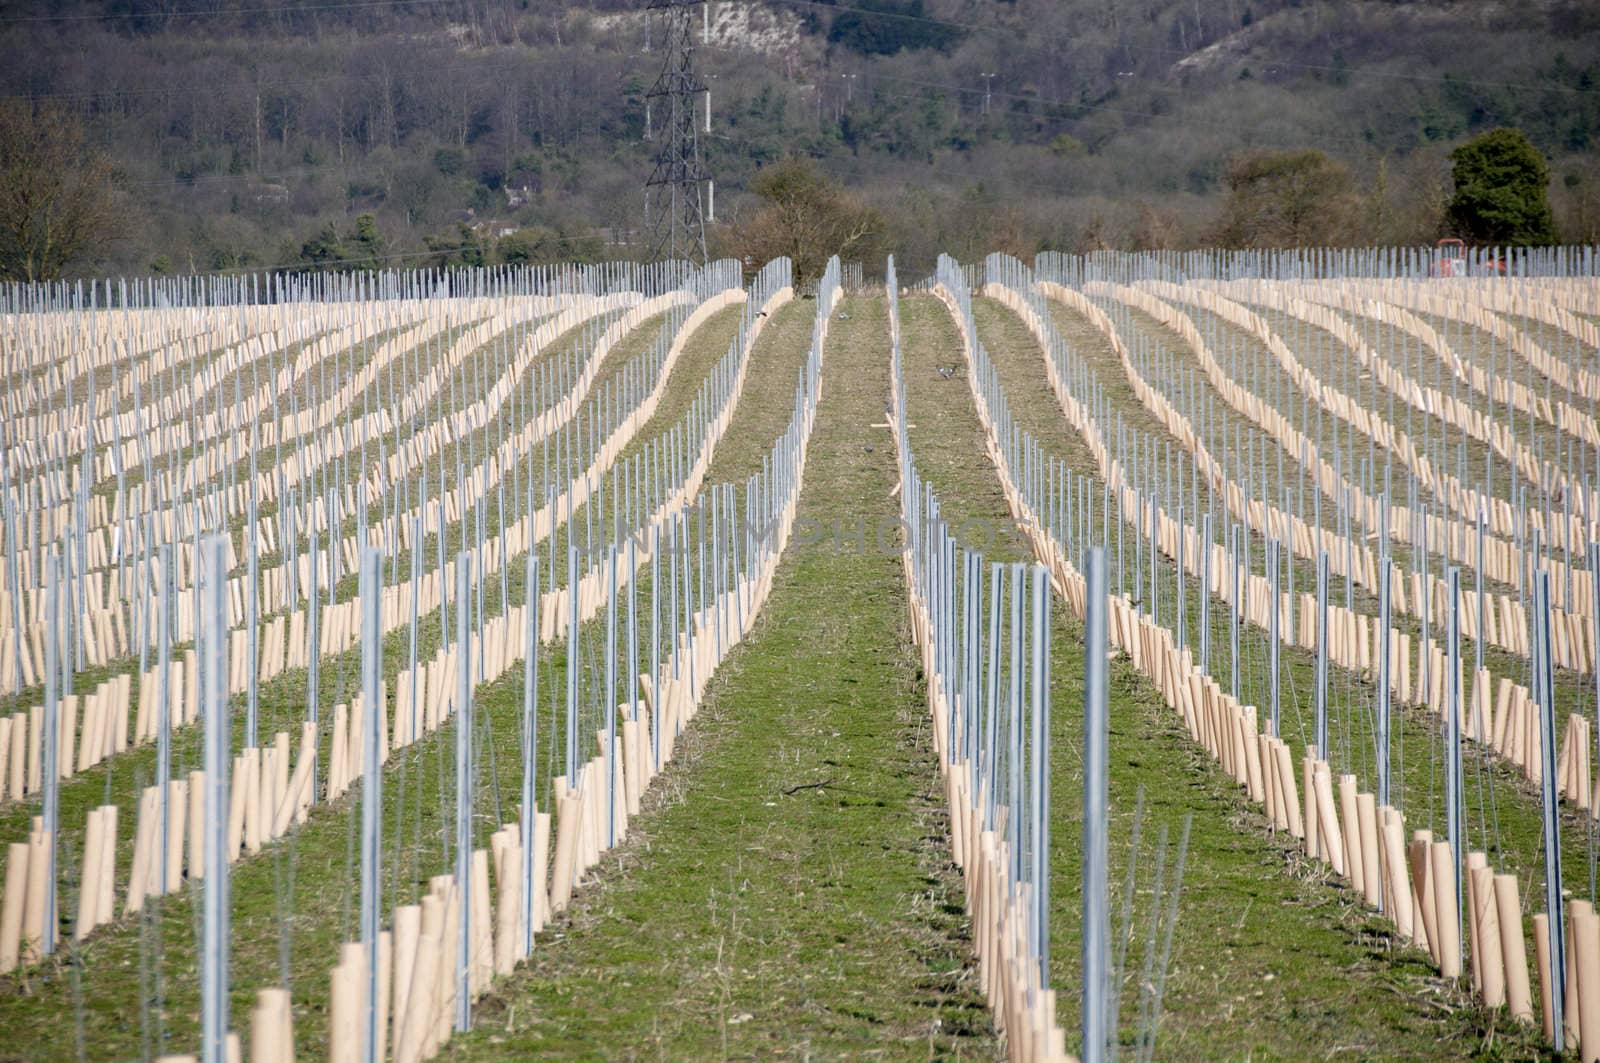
(164, 710)
(1177, 580)
(1205, 594)
(1552, 814)
(1321, 692)
(1040, 688)
(611, 695)
(216, 939)
(313, 648)
(530, 747)
(464, 780)
(1097, 992)
(1235, 604)
(371, 587)
(253, 623)
(1273, 644)
(1385, 692)
(1454, 819)
(51, 737)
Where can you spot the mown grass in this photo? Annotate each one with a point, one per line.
(1503, 806)
(1271, 958)
(86, 679)
(591, 523)
(768, 401)
(1247, 359)
(746, 918)
(295, 902)
(282, 701)
(1330, 359)
(788, 891)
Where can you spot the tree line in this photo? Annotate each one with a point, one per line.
(260, 135)
(59, 200)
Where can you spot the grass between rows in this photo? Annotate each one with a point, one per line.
(1271, 958)
(293, 903)
(788, 891)
(282, 700)
(1503, 817)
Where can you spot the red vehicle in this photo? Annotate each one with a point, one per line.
(1451, 261)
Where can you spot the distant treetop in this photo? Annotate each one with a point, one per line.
(1500, 180)
(885, 27)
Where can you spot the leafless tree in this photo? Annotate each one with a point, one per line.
(806, 217)
(1287, 199)
(57, 200)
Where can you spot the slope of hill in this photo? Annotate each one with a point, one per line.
(250, 134)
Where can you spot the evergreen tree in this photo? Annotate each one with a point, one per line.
(1500, 180)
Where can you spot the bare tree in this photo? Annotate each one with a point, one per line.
(57, 200)
(807, 217)
(1287, 199)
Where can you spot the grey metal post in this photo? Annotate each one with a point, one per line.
(214, 956)
(1454, 820)
(1481, 625)
(971, 591)
(674, 613)
(252, 621)
(416, 594)
(1420, 563)
(164, 708)
(530, 739)
(1385, 695)
(1138, 536)
(1288, 583)
(313, 650)
(1177, 580)
(288, 541)
(444, 599)
(1594, 581)
(1121, 520)
(1321, 692)
(655, 648)
(1040, 689)
(1205, 594)
(464, 778)
(1014, 723)
(69, 620)
(997, 578)
(1154, 568)
(371, 585)
(611, 694)
(714, 617)
(1097, 997)
(572, 663)
(505, 562)
(1551, 813)
(479, 582)
(1235, 605)
(13, 586)
(694, 590)
(1273, 564)
(631, 690)
(80, 577)
(51, 770)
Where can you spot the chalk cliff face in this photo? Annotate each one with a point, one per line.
(240, 134)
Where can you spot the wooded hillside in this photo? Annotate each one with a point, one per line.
(254, 133)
